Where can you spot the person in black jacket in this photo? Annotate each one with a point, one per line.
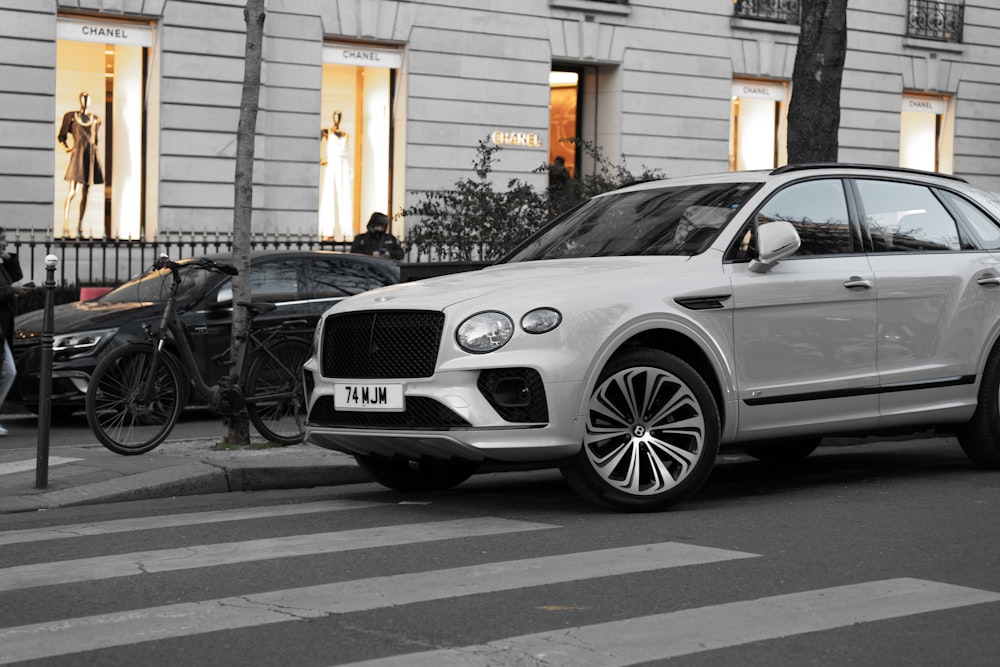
(378, 241)
(10, 273)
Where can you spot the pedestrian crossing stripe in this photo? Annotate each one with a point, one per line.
(74, 635)
(228, 553)
(678, 633)
(176, 520)
(12, 467)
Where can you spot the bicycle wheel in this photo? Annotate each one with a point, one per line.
(276, 400)
(123, 422)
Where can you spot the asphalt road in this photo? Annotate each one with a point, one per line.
(878, 555)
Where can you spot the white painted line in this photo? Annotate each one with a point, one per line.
(176, 520)
(23, 466)
(67, 636)
(227, 553)
(665, 636)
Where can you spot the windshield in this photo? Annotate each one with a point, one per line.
(154, 286)
(662, 221)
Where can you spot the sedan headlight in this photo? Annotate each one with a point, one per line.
(83, 342)
(485, 332)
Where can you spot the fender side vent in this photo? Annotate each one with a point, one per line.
(702, 302)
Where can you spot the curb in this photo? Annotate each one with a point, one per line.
(189, 479)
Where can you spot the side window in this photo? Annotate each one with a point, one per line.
(980, 226)
(818, 210)
(904, 217)
(279, 280)
(339, 277)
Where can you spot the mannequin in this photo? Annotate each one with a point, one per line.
(84, 165)
(336, 199)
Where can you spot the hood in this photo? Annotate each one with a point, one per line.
(84, 316)
(520, 278)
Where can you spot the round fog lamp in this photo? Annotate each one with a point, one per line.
(541, 320)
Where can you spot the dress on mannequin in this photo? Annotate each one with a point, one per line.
(336, 197)
(84, 167)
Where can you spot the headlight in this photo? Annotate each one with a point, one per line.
(84, 342)
(485, 332)
(541, 320)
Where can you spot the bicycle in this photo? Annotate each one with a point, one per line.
(137, 393)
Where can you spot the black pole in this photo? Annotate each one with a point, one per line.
(45, 376)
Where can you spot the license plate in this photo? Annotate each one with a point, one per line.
(388, 397)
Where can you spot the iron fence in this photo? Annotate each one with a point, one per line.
(110, 262)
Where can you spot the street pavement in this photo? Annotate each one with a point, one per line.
(90, 474)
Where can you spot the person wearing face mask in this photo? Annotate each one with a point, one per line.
(377, 240)
(10, 273)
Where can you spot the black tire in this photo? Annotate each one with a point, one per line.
(652, 434)
(423, 475)
(120, 421)
(277, 373)
(784, 452)
(980, 437)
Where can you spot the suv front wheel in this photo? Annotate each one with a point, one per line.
(980, 437)
(652, 434)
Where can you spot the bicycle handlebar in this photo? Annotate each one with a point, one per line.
(164, 262)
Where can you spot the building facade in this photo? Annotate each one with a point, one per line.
(119, 117)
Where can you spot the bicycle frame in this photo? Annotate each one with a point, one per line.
(170, 322)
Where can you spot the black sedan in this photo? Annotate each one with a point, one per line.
(302, 284)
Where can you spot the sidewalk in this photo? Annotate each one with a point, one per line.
(90, 474)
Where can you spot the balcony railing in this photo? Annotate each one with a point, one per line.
(932, 19)
(777, 11)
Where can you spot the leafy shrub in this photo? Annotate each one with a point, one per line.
(472, 221)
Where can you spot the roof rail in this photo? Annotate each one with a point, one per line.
(851, 165)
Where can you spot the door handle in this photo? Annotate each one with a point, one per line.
(989, 280)
(857, 281)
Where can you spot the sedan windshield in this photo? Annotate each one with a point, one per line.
(154, 286)
(662, 221)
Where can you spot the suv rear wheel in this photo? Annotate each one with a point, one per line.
(652, 434)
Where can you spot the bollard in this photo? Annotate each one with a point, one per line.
(45, 376)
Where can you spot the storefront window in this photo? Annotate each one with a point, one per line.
(563, 118)
(923, 134)
(758, 123)
(356, 137)
(100, 129)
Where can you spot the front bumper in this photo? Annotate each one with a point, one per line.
(464, 423)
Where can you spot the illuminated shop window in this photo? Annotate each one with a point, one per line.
(926, 134)
(564, 122)
(99, 137)
(758, 125)
(357, 137)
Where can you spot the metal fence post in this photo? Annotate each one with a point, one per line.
(45, 376)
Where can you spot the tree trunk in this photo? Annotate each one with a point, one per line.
(253, 14)
(814, 111)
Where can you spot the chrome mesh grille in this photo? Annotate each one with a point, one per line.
(381, 344)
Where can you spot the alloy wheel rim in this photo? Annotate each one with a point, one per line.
(645, 431)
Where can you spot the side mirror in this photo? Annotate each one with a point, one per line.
(775, 241)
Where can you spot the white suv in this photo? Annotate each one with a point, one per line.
(630, 340)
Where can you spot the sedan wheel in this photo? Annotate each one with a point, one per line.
(652, 434)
